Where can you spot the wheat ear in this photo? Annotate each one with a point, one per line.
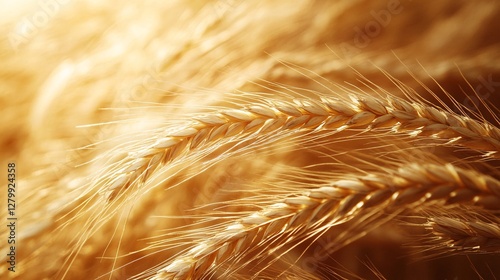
(466, 236)
(327, 114)
(335, 204)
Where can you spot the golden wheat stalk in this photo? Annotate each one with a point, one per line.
(328, 114)
(469, 236)
(326, 206)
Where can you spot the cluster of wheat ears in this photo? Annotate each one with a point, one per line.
(253, 139)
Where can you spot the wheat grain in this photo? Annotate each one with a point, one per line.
(329, 114)
(336, 204)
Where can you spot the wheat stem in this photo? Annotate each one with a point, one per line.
(334, 204)
(327, 114)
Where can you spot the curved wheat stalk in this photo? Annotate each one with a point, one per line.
(466, 236)
(335, 204)
(328, 114)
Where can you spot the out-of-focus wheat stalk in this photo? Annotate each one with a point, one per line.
(466, 236)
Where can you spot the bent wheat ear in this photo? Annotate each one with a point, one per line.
(258, 120)
(464, 236)
(335, 204)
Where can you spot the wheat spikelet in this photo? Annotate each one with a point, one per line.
(336, 204)
(329, 114)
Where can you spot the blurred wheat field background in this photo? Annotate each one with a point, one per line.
(236, 139)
